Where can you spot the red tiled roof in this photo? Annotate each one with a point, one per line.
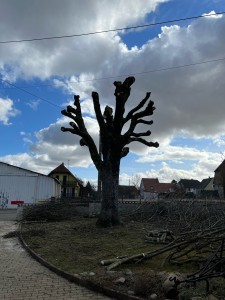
(60, 169)
(165, 187)
(150, 183)
(153, 185)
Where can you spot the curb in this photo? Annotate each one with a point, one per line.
(73, 278)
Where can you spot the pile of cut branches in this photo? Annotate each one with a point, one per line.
(188, 247)
(195, 230)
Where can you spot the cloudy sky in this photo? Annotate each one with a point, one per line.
(182, 64)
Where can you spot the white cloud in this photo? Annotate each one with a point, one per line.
(27, 137)
(33, 104)
(212, 14)
(55, 146)
(184, 97)
(174, 153)
(7, 110)
(188, 100)
(180, 162)
(54, 18)
(23, 160)
(166, 173)
(219, 141)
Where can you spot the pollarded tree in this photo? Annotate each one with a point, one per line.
(113, 141)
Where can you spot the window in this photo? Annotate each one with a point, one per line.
(64, 179)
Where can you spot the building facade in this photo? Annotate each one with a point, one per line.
(151, 188)
(219, 180)
(70, 185)
(18, 185)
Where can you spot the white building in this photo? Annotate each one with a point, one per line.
(18, 185)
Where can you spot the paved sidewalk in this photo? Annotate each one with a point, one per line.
(23, 278)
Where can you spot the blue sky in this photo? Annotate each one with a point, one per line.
(39, 78)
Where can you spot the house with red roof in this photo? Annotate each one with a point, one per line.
(70, 184)
(151, 188)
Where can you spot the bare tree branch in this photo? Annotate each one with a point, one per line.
(144, 122)
(97, 109)
(124, 152)
(136, 118)
(63, 129)
(140, 105)
(67, 114)
(79, 118)
(122, 93)
(147, 112)
(147, 133)
(140, 140)
(79, 128)
(112, 142)
(72, 124)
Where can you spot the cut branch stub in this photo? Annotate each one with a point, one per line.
(75, 127)
(147, 133)
(65, 113)
(70, 109)
(144, 122)
(63, 129)
(150, 106)
(154, 144)
(124, 87)
(125, 151)
(76, 100)
(108, 112)
(140, 140)
(72, 124)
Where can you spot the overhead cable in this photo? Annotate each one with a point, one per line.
(111, 30)
(31, 94)
(104, 78)
(124, 75)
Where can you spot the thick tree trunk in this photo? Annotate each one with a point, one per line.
(112, 141)
(109, 214)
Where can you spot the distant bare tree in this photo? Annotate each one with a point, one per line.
(136, 181)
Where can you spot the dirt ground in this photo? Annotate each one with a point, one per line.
(78, 247)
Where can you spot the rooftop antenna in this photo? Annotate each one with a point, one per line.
(68, 163)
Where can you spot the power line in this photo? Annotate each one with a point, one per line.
(110, 77)
(120, 75)
(156, 70)
(111, 30)
(28, 86)
(31, 94)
